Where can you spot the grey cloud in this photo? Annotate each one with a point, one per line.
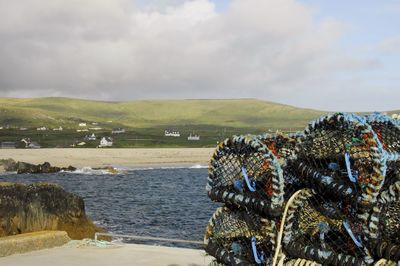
(112, 49)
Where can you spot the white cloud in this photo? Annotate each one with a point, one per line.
(389, 45)
(111, 49)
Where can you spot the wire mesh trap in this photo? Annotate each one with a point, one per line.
(327, 196)
(237, 237)
(243, 172)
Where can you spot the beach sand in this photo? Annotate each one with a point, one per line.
(112, 157)
(119, 255)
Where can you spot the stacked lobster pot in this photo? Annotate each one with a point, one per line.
(327, 196)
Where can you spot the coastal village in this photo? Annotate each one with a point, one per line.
(85, 134)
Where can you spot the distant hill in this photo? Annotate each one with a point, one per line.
(67, 112)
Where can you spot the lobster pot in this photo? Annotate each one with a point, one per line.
(243, 173)
(236, 237)
(320, 233)
(340, 157)
(283, 147)
(384, 225)
(387, 131)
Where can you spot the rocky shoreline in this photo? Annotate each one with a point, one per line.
(43, 206)
(10, 165)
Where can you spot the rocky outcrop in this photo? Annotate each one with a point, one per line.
(43, 206)
(45, 168)
(9, 165)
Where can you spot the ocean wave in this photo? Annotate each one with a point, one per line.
(90, 171)
(199, 166)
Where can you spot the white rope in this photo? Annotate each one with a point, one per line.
(282, 259)
(384, 262)
(279, 241)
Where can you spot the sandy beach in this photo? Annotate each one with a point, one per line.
(112, 157)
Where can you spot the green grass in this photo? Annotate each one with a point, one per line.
(248, 113)
(146, 120)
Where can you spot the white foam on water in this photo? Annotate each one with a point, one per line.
(199, 166)
(90, 171)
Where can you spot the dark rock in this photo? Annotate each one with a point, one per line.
(9, 165)
(25, 168)
(69, 168)
(45, 168)
(43, 206)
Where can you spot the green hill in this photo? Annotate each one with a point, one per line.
(144, 121)
(242, 113)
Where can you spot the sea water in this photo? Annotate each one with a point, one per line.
(164, 202)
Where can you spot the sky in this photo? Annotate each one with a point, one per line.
(321, 54)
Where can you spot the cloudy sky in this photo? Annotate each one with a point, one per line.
(331, 55)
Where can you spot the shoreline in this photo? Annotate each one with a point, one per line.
(118, 158)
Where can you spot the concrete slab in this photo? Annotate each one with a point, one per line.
(32, 241)
(78, 254)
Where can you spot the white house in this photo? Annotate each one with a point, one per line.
(106, 142)
(193, 137)
(58, 129)
(82, 130)
(169, 133)
(30, 144)
(27, 141)
(41, 129)
(82, 124)
(90, 137)
(95, 128)
(117, 131)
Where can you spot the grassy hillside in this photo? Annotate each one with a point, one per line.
(246, 113)
(145, 121)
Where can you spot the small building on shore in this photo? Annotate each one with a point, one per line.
(91, 137)
(41, 128)
(118, 131)
(82, 124)
(106, 142)
(30, 144)
(193, 137)
(172, 133)
(58, 129)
